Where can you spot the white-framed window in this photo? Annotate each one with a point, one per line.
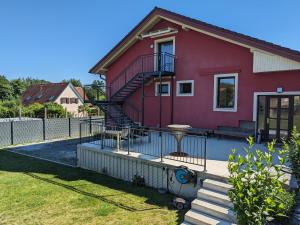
(225, 92)
(165, 88)
(185, 88)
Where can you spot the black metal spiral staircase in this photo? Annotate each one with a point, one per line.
(139, 72)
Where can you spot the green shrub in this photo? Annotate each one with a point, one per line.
(34, 110)
(294, 154)
(9, 108)
(55, 110)
(258, 195)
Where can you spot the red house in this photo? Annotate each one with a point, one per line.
(174, 69)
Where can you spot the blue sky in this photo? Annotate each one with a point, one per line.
(61, 39)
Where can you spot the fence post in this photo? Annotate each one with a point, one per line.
(69, 127)
(129, 134)
(44, 129)
(80, 135)
(102, 137)
(161, 146)
(204, 153)
(90, 125)
(12, 132)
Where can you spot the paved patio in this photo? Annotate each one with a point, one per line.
(62, 151)
(218, 150)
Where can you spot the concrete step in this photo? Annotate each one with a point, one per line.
(186, 223)
(215, 197)
(216, 186)
(198, 218)
(213, 209)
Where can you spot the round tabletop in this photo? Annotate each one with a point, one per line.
(179, 126)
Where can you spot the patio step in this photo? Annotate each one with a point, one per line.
(212, 206)
(186, 223)
(213, 209)
(215, 197)
(216, 186)
(198, 218)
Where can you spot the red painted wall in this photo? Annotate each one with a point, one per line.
(198, 58)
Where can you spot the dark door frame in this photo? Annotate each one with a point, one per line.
(161, 60)
(278, 116)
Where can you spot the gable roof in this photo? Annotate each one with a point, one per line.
(158, 13)
(80, 91)
(43, 93)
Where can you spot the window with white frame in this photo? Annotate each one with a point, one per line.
(185, 88)
(165, 88)
(225, 92)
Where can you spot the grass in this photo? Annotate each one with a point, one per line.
(33, 191)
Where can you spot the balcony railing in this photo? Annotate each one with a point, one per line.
(151, 63)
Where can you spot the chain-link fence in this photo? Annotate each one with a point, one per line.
(28, 131)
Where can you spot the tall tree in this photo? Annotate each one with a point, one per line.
(18, 86)
(96, 91)
(6, 91)
(75, 82)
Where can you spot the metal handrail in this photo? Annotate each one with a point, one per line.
(135, 110)
(142, 64)
(160, 143)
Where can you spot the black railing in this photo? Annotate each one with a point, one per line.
(156, 62)
(158, 143)
(132, 112)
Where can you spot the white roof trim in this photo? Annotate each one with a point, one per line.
(186, 27)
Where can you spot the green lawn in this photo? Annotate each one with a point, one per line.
(37, 192)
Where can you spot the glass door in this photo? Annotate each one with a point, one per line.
(279, 117)
(165, 56)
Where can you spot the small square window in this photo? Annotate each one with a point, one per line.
(165, 88)
(185, 88)
(51, 98)
(39, 96)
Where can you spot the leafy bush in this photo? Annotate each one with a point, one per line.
(55, 110)
(34, 110)
(9, 108)
(258, 195)
(294, 154)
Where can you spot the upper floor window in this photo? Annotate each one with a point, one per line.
(73, 100)
(185, 88)
(51, 98)
(225, 92)
(165, 88)
(39, 96)
(64, 101)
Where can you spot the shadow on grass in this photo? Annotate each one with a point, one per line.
(12, 162)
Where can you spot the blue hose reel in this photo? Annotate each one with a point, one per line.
(184, 175)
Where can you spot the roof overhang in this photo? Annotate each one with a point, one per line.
(187, 23)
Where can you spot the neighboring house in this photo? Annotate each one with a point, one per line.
(174, 69)
(65, 94)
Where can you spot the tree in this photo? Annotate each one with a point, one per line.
(96, 91)
(74, 82)
(34, 110)
(85, 108)
(6, 91)
(18, 86)
(55, 110)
